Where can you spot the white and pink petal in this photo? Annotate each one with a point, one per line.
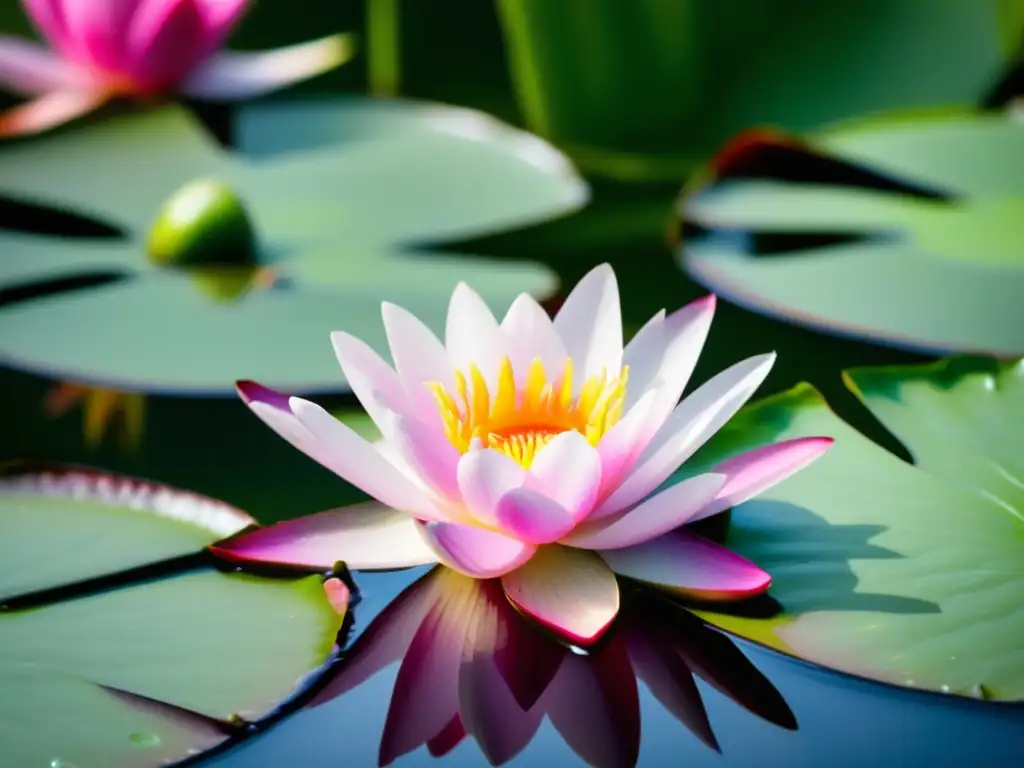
(484, 477)
(568, 471)
(691, 566)
(364, 537)
(429, 454)
(233, 75)
(693, 421)
(419, 358)
(472, 335)
(754, 472)
(49, 111)
(475, 552)
(323, 438)
(590, 325)
(31, 70)
(374, 382)
(570, 591)
(530, 335)
(533, 517)
(668, 510)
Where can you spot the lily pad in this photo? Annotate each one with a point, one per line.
(138, 674)
(340, 193)
(900, 229)
(908, 573)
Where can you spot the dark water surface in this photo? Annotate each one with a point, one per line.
(838, 720)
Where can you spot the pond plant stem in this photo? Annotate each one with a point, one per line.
(384, 55)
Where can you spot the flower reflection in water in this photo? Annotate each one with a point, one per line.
(472, 666)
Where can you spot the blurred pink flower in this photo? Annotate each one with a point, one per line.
(104, 49)
(470, 665)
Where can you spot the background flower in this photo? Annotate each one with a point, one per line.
(104, 49)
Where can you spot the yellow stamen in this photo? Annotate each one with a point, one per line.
(521, 422)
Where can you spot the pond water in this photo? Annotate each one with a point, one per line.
(839, 720)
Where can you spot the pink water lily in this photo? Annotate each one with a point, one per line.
(105, 49)
(533, 451)
(469, 665)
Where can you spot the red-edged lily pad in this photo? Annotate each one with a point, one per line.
(903, 230)
(98, 669)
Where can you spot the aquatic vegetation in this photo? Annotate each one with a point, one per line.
(899, 229)
(119, 645)
(322, 210)
(533, 450)
(106, 49)
(908, 573)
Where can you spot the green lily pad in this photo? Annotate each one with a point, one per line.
(145, 673)
(902, 229)
(911, 574)
(340, 193)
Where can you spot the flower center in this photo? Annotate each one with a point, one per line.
(520, 421)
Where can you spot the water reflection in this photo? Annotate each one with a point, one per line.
(471, 666)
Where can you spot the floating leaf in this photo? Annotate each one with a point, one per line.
(793, 63)
(141, 674)
(904, 230)
(339, 193)
(912, 574)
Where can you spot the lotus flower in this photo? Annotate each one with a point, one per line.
(470, 665)
(105, 49)
(533, 451)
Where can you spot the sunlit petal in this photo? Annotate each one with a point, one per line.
(754, 472)
(373, 381)
(326, 440)
(533, 517)
(567, 590)
(529, 334)
(590, 323)
(485, 476)
(568, 471)
(364, 536)
(692, 566)
(472, 335)
(660, 514)
(475, 552)
(692, 422)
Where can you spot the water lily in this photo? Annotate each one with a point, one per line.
(533, 451)
(469, 665)
(106, 49)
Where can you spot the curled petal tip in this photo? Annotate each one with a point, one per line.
(244, 388)
(710, 301)
(254, 392)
